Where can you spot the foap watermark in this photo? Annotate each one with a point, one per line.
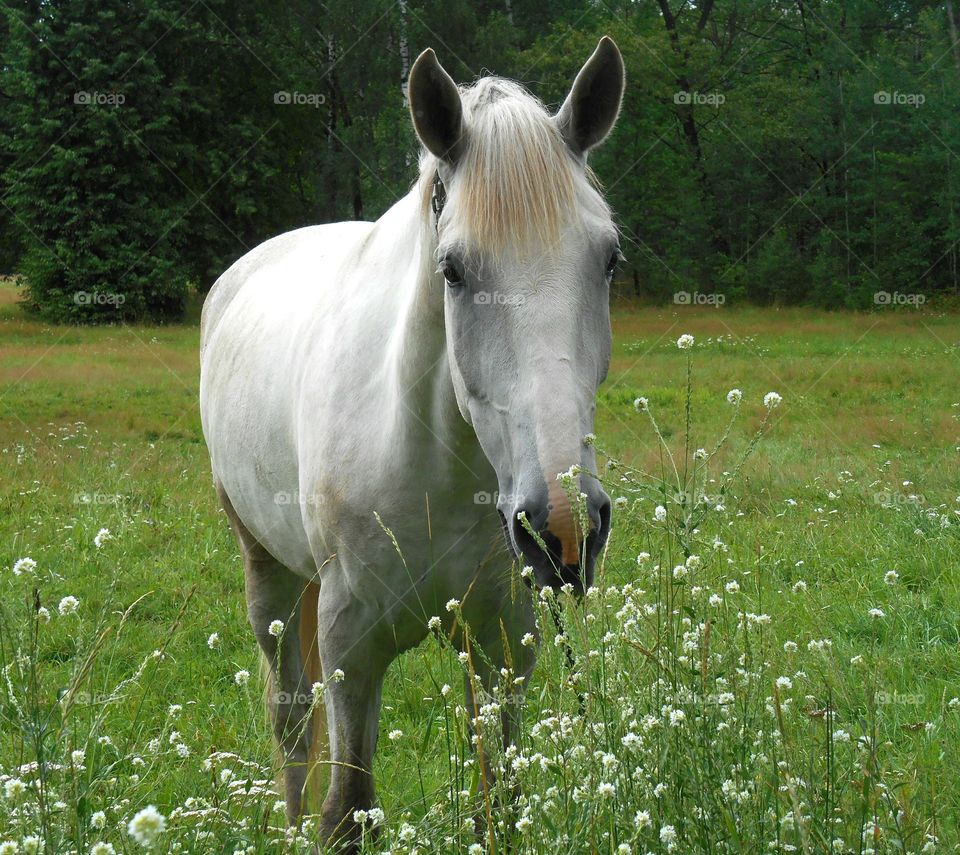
(702, 99)
(99, 99)
(96, 499)
(698, 298)
(893, 499)
(899, 99)
(304, 698)
(486, 498)
(99, 298)
(495, 298)
(295, 497)
(896, 298)
(300, 99)
(899, 698)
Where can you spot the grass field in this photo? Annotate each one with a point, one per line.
(749, 701)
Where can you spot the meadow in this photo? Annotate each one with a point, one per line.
(769, 661)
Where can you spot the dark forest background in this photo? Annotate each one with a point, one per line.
(777, 152)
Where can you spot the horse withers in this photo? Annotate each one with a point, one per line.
(362, 380)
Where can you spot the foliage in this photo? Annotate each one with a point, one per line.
(787, 153)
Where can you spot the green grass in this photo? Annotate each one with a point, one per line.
(99, 428)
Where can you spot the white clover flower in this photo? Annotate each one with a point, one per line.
(68, 605)
(24, 565)
(694, 562)
(102, 848)
(475, 849)
(641, 405)
(789, 647)
(659, 513)
(174, 710)
(453, 604)
(715, 600)
(13, 788)
(643, 558)
(784, 683)
(32, 845)
(677, 718)
(732, 587)
(445, 689)
(528, 640)
(590, 439)
(771, 400)
(841, 736)
(214, 640)
(276, 628)
(891, 577)
(679, 572)
(394, 735)
(43, 614)
(734, 397)
(524, 824)
(337, 676)
(147, 825)
(876, 613)
(242, 677)
(77, 757)
(407, 833)
(799, 586)
(9, 847)
(375, 816)
(98, 820)
(685, 341)
(642, 819)
(526, 572)
(606, 790)
(621, 502)
(102, 537)
(435, 624)
(700, 454)
(668, 836)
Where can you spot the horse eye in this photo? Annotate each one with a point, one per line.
(614, 262)
(450, 272)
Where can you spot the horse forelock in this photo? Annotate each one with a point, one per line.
(517, 182)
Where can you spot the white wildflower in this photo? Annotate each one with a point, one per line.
(68, 605)
(147, 825)
(24, 565)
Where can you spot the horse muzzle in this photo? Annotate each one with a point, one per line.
(547, 533)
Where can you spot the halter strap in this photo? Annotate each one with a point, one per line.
(438, 199)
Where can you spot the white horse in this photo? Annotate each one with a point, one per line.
(400, 370)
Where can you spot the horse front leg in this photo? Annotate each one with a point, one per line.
(354, 664)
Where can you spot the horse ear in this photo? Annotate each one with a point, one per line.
(435, 107)
(591, 108)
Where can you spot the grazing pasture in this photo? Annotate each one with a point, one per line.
(783, 677)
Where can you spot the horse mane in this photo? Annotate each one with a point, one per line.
(516, 178)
